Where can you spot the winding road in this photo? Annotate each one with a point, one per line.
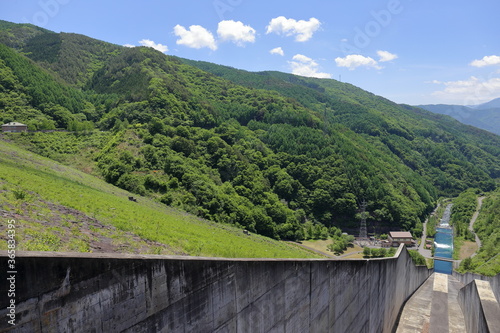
(421, 248)
(473, 220)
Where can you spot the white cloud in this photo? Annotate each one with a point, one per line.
(129, 45)
(196, 37)
(303, 30)
(353, 61)
(486, 61)
(386, 56)
(236, 32)
(468, 92)
(277, 50)
(305, 66)
(150, 43)
(302, 58)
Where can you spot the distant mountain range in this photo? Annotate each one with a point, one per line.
(494, 104)
(485, 116)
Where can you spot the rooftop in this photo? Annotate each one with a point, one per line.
(13, 123)
(400, 234)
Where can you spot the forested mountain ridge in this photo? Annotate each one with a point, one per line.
(399, 127)
(278, 154)
(72, 57)
(485, 116)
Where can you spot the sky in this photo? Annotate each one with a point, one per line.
(409, 51)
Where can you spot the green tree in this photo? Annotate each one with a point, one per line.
(377, 252)
(132, 183)
(264, 224)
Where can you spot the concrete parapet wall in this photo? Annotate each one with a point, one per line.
(480, 307)
(469, 277)
(135, 293)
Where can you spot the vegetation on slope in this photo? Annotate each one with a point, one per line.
(487, 227)
(463, 208)
(265, 151)
(439, 148)
(59, 208)
(462, 211)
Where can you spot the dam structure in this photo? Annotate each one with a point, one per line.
(85, 292)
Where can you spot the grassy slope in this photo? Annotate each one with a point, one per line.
(28, 180)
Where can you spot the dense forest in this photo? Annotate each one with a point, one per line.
(270, 152)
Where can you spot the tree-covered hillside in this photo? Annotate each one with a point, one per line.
(441, 143)
(265, 151)
(487, 226)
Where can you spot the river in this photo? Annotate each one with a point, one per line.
(443, 243)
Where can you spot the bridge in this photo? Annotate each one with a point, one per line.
(443, 259)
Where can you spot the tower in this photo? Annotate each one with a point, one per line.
(362, 228)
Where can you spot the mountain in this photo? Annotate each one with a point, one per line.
(494, 104)
(485, 116)
(282, 155)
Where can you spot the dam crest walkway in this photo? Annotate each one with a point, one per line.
(434, 307)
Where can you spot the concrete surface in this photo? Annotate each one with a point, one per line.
(134, 293)
(417, 311)
(469, 277)
(481, 309)
(434, 307)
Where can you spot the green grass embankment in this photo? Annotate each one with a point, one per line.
(30, 185)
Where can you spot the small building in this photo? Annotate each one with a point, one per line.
(385, 244)
(401, 237)
(14, 127)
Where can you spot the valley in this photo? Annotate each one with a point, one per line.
(279, 155)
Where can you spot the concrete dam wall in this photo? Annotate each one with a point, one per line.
(146, 293)
(480, 307)
(470, 277)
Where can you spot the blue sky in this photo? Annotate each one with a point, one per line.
(409, 51)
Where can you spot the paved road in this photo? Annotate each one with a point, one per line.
(473, 220)
(421, 248)
(314, 250)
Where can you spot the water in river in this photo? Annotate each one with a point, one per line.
(443, 243)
